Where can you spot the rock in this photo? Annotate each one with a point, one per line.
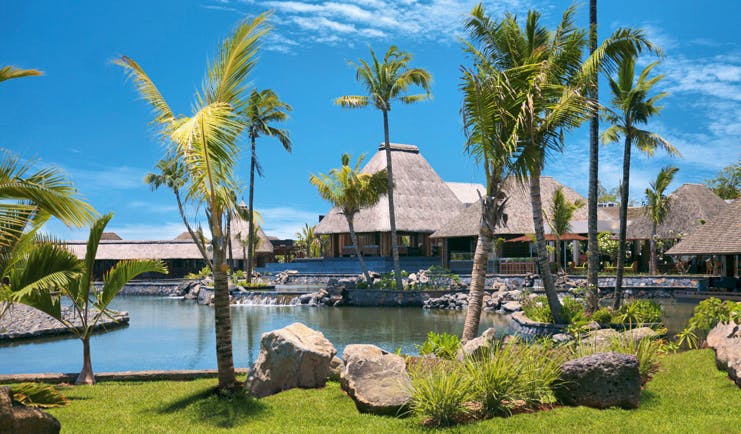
(336, 365)
(294, 356)
(637, 334)
(728, 353)
(721, 332)
(205, 296)
(376, 380)
(561, 338)
(601, 380)
(512, 306)
(601, 338)
(24, 420)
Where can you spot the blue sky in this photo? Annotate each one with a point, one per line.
(85, 118)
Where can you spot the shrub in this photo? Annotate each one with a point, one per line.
(537, 309)
(443, 345)
(602, 316)
(638, 312)
(440, 395)
(38, 395)
(204, 272)
(646, 350)
(708, 313)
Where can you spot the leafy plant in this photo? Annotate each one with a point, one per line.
(202, 273)
(441, 345)
(537, 309)
(708, 313)
(646, 350)
(38, 395)
(602, 316)
(440, 395)
(638, 312)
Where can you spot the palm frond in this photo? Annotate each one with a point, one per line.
(147, 90)
(121, 273)
(10, 72)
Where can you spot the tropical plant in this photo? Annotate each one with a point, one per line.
(206, 144)
(727, 184)
(171, 174)
(350, 190)
(9, 71)
(607, 245)
(263, 109)
(638, 312)
(38, 395)
(89, 304)
(309, 242)
(656, 209)
(383, 83)
(559, 219)
(546, 67)
(602, 316)
(632, 107)
(441, 345)
(439, 394)
(708, 313)
(537, 309)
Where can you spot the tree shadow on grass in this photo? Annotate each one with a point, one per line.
(648, 399)
(208, 408)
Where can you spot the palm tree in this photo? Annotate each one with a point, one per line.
(350, 190)
(632, 106)
(308, 241)
(592, 295)
(386, 82)
(562, 211)
(264, 108)
(88, 303)
(206, 144)
(657, 206)
(8, 72)
(546, 66)
(172, 175)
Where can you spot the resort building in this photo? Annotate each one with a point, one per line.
(422, 202)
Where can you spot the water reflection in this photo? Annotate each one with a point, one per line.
(178, 334)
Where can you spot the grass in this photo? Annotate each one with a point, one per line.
(687, 395)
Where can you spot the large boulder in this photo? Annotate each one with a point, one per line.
(601, 380)
(725, 339)
(478, 347)
(294, 356)
(376, 380)
(721, 332)
(640, 333)
(24, 420)
(601, 338)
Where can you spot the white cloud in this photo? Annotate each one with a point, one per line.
(108, 178)
(284, 222)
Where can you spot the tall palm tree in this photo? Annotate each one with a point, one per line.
(88, 303)
(592, 295)
(8, 72)
(632, 107)
(206, 144)
(383, 83)
(172, 175)
(263, 108)
(559, 219)
(546, 66)
(657, 206)
(350, 190)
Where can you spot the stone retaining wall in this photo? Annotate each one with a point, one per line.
(24, 322)
(389, 298)
(524, 325)
(56, 378)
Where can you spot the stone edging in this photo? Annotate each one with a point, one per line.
(120, 319)
(55, 378)
(524, 325)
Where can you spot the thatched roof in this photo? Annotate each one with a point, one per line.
(634, 212)
(240, 234)
(183, 236)
(466, 192)
(689, 206)
(720, 236)
(520, 214)
(110, 236)
(421, 197)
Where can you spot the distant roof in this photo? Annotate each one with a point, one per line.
(466, 192)
(183, 236)
(720, 236)
(520, 214)
(690, 206)
(634, 212)
(421, 197)
(110, 236)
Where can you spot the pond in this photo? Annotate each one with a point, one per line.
(178, 334)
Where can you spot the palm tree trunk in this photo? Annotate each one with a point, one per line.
(592, 255)
(559, 263)
(478, 273)
(624, 191)
(652, 265)
(86, 375)
(543, 263)
(358, 253)
(196, 239)
(229, 239)
(222, 316)
(392, 214)
(250, 217)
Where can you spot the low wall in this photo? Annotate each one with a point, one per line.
(56, 378)
(389, 298)
(525, 326)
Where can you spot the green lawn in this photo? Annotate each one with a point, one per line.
(688, 396)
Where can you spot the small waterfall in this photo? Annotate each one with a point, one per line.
(262, 298)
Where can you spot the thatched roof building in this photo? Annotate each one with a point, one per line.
(720, 236)
(690, 206)
(519, 212)
(421, 197)
(467, 192)
(110, 236)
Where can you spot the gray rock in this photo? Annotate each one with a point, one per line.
(336, 365)
(478, 347)
(376, 380)
(601, 338)
(637, 334)
(728, 353)
(512, 306)
(561, 338)
(294, 356)
(721, 332)
(601, 380)
(24, 420)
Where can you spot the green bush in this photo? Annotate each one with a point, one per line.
(442, 345)
(646, 350)
(204, 272)
(638, 312)
(537, 309)
(602, 316)
(439, 395)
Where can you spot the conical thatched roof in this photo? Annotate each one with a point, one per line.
(720, 236)
(689, 206)
(421, 198)
(519, 212)
(183, 236)
(466, 192)
(108, 236)
(240, 231)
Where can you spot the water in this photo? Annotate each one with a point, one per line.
(179, 334)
